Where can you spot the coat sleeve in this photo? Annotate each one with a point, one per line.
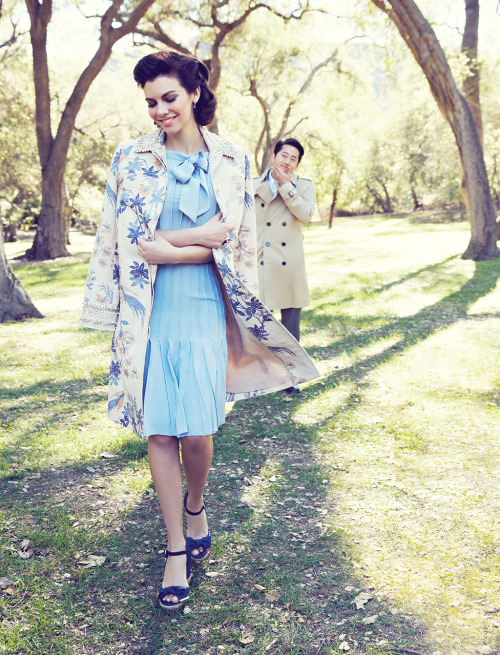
(300, 200)
(245, 250)
(102, 297)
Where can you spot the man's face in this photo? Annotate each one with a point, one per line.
(287, 159)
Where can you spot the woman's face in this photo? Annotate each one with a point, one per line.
(170, 105)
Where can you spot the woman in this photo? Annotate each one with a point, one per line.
(188, 334)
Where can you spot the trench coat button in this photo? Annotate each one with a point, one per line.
(267, 243)
(262, 263)
(284, 223)
(283, 263)
(268, 224)
(262, 204)
(283, 243)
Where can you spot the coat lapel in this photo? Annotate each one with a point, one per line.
(263, 190)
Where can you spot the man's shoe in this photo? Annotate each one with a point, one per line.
(292, 390)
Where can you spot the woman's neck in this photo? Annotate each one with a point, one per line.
(188, 141)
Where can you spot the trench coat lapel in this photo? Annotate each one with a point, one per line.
(263, 190)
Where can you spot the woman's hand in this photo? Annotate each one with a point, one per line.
(213, 233)
(159, 251)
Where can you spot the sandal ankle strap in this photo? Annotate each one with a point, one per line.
(168, 553)
(189, 511)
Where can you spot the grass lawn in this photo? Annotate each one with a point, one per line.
(360, 516)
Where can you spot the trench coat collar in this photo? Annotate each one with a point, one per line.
(218, 147)
(263, 189)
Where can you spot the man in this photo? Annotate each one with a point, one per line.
(283, 201)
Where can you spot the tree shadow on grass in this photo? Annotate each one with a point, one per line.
(266, 504)
(266, 516)
(411, 330)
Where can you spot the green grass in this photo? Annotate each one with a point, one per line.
(380, 477)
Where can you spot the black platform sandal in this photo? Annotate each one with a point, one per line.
(204, 542)
(182, 593)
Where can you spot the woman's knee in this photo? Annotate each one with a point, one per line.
(163, 441)
(194, 445)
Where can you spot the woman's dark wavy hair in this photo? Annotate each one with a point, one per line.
(191, 73)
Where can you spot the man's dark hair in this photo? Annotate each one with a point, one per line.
(290, 142)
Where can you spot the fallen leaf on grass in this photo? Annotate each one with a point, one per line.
(344, 646)
(259, 587)
(369, 619)
(5, 582)
(271, 597)
(246, 639)
(108, 455)
(361, 600)
(269, 646)
(212, 574)
(25, 550)
(92, 560)
(10, 590)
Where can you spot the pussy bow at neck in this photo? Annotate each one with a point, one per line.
(192, 174)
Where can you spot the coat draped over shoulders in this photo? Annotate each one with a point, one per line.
(262, 355)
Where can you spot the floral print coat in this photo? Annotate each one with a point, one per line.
(262, 355)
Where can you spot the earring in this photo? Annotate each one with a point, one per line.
(194, 105)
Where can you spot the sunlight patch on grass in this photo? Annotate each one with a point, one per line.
(422, 444)
(325, 405)
(259, 495)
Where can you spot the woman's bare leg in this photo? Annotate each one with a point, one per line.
(196, 460)
(165, 467)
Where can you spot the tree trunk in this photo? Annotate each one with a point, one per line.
(425, 47)
(469, 48)
(332, 207)
(416, 202)
(50, 238)
(15, 304)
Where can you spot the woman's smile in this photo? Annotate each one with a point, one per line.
(170, 105)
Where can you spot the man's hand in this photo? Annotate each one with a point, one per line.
(159, 251)
(213, 233)
(281, 176)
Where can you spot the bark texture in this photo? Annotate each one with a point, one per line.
(425, 47)
(471, 86)
(15, 304)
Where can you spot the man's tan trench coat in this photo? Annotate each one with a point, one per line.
(262, 356)
(280, 243)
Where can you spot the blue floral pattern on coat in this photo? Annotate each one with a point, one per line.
(139, 274)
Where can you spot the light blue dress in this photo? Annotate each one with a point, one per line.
(186, 360)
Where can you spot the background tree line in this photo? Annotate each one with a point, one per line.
(344, 84)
